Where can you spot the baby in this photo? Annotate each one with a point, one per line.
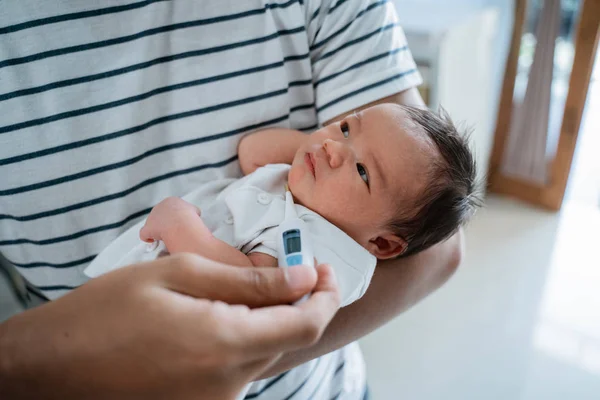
(385, 182)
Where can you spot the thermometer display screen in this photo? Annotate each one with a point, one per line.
(291, 239)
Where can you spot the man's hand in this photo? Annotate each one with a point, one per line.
(164, 329)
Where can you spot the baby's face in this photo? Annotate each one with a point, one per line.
(357, 173)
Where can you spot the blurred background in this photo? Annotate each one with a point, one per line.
(521, 317)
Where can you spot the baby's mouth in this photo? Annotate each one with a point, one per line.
(310, 162)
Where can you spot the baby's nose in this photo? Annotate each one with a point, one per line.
(335, 152)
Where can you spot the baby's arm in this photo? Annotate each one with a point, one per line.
(269, 146)
(178, 224)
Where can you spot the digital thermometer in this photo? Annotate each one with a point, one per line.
(293, 246)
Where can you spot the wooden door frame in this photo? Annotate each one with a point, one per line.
(551, 195)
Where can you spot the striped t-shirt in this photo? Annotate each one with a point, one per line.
(109, 107)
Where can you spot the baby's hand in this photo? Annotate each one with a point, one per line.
(165, 216)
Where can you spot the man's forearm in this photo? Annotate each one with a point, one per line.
(397, 285)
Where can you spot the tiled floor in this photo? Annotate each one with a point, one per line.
(519, 321)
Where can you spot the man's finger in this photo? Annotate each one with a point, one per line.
(272, 330)
(255, 287)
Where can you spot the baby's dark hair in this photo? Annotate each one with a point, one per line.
(450, 198)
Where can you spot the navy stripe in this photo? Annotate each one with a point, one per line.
(283, 5)
(114, 196)
(56, 287)
(301, 83)
(315, 15)
(310, 375)
(360, 64)
(339, 368)
(357, 40)
(339, 3)
(143, 96)
(156, 61)
(89, 203)
(69, 264)
(309, 128)
(365, 396)
(296, 57)
(268, 385)
(337, 371)
(363, 89)
(302, 107)
(316, 36)
(323, 376)
(139, 35)
(342, 29)
(129, 131)
(76, 15)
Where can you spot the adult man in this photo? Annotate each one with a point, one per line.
(107, 111)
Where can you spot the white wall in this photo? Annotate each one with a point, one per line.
(468, 42)
(465, 80)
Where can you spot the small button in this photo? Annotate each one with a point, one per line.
(264, 198)
(229, 220)
(150, 247)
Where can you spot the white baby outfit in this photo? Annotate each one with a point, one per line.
(245, 213)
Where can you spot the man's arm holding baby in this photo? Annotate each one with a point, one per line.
(396, 286)
(178, 224)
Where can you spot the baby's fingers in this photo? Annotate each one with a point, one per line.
(146, 234)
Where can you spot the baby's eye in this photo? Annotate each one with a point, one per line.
(345, 129)
(362, 171)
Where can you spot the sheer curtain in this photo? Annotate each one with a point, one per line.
(526, 156)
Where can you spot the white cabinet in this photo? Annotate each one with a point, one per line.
(461, 46)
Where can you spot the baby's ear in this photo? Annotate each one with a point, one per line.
(387, 245)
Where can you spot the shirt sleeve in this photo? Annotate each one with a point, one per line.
(359, 54)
